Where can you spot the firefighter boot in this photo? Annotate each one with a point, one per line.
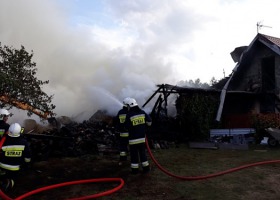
(7, 184)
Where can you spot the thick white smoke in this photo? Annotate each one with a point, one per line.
(95, 53)
(85, 74)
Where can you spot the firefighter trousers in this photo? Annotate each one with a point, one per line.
(123, 148)
(138, 153)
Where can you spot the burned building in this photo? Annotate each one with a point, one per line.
(253, 87)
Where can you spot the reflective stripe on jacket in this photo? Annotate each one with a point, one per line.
(125, 134)
(136, 122)
(10, 167)
(14, 152)
(137, 141)
(121, 116)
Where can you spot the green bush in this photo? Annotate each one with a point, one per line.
(196, 114)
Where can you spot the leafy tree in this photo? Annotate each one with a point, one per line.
(193, 84)
(213, 81)
(19, 84)
(219, 84)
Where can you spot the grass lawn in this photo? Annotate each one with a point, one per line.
(258, 182)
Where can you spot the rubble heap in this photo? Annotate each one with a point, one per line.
(65, 138)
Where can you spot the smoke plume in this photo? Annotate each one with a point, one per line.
(92, 66)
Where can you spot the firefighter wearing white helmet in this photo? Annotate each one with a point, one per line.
(136, 122)
(122, 131)
(132, 102)
(3, 113)
(14, 130)
(4, 126)
(126, 101)
(15, 155)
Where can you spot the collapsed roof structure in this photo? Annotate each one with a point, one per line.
(252, 87)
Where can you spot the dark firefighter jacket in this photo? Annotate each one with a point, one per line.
(14, 152)
(136, 123)
(121, 116)
(4, 127)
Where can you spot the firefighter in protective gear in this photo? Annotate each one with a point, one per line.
(4, 126)
(123, 133)
(136, 122)
(15, 153)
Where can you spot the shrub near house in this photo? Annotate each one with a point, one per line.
(264, 121)
(196, 114)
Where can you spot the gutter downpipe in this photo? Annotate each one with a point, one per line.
(223, 96)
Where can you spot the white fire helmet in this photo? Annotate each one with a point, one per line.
(132, 102)
(126, 101)
(3, 113)
(14, 130)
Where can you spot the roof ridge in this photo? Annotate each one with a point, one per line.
(272, 39)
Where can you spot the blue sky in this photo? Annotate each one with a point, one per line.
(127, 47)
(86, 12)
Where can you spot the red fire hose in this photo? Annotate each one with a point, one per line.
(189, 178)
(192, 178)
(5, 197)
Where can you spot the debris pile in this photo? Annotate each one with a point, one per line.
(63, 137)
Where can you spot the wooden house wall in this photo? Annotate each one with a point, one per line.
(249, 78)
(253, 75)
(249, 74)
(238, 121)
(277, 74)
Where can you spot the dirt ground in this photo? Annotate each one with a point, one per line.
(60, 170)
